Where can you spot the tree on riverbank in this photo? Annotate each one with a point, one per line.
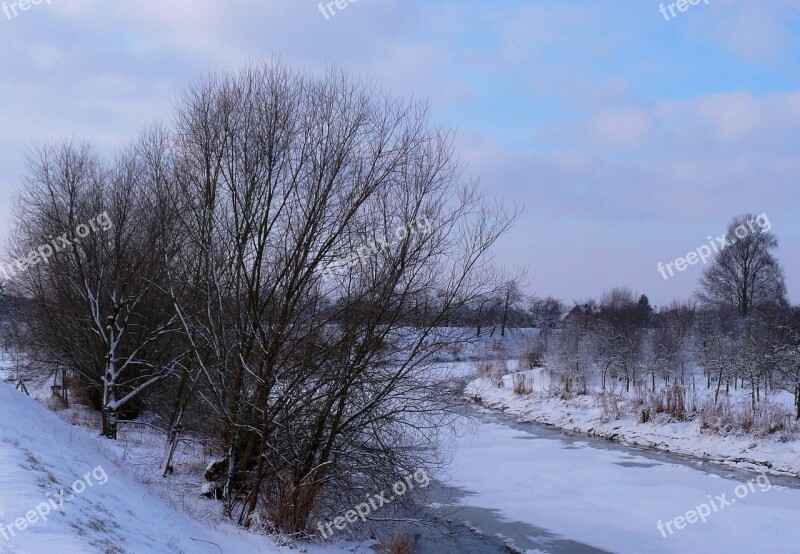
(287, 260)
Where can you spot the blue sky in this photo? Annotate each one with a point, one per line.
(628, 138)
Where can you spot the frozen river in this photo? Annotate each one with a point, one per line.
(549, 491)
(544, 490)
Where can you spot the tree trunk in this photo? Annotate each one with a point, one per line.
(173, 437)
(109, 408)
(505, 315)
(109, 423)
(797, 400)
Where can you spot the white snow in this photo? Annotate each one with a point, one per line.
(608, 498)
(611, 499)
(582, 414)
(40, 454)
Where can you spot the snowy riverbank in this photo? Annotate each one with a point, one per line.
(583, 414)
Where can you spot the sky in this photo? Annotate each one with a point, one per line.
(629, 136)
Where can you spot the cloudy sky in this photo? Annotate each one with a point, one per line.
(628, 137)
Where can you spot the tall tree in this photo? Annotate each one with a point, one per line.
(320, 388)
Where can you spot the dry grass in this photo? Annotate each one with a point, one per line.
(492, 369)
(55, 403)
(722, 418)
(566, 386)
(609, 404)
(402, 543)
(671, 401)
(523, 384)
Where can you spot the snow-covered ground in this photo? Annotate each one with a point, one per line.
(40, 454)
(524, 482)
(584, 414)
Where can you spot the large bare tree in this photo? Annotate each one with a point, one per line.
(330, 241)
(291, 253)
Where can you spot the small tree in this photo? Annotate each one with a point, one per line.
(97, 303)
(745, 274)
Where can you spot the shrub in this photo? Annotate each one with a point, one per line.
(455, 351)
(55, 402)
(670, 401)
(640, 392)
(521, 383)
(565, 386)
(772, 418)
(533, 352)
(676, 402)
(658, 402)
(399, 544)
(722, 418)
(609, 403)
(492, 369)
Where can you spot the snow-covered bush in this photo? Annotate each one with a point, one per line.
(533, 351)
(711, 420)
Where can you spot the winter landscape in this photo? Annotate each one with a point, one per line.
(397, 277)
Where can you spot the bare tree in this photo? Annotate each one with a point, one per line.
(511, 296)
(787, 361)
(745, 275)
(621, 334)
(572, 350)
(319, 379)
(672, 343)
(291, 254)
(96, 303)
(546, 312)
